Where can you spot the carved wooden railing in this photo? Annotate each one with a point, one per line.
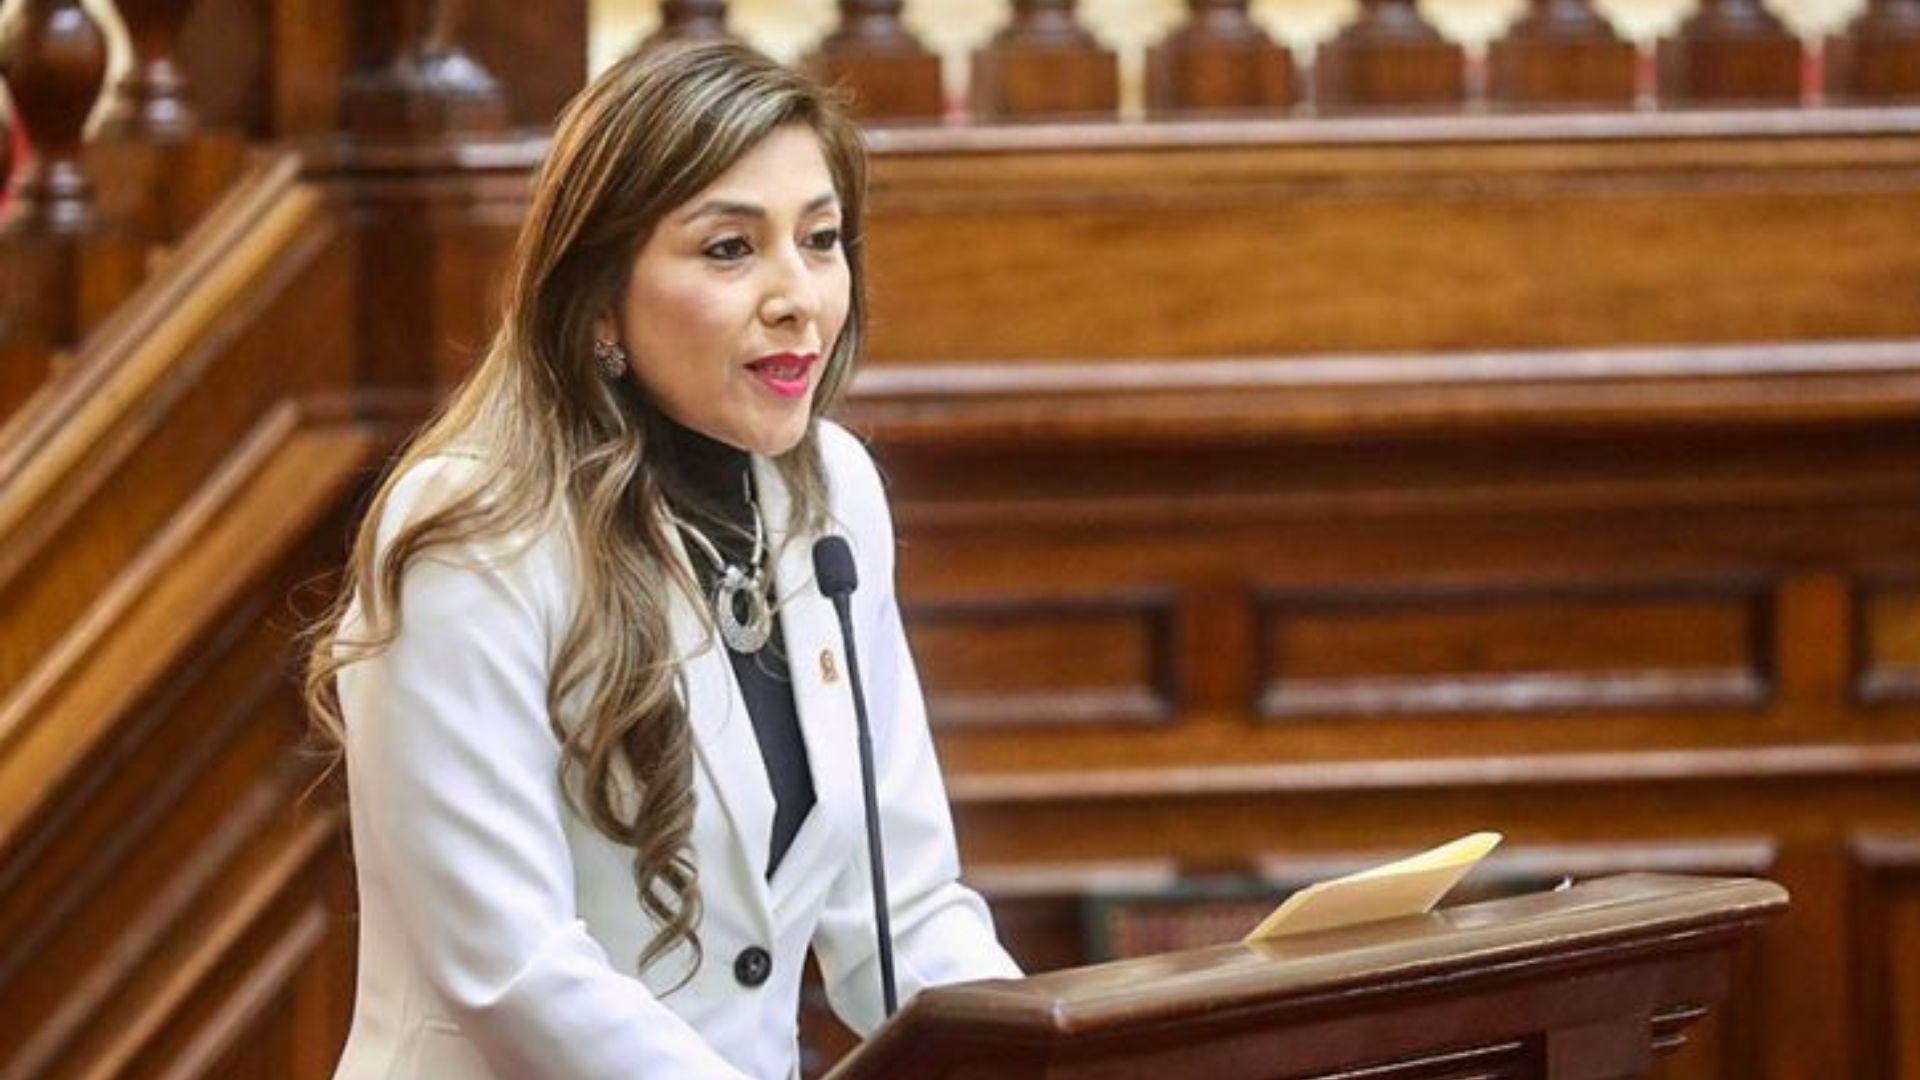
(1045, 62)
(158, 502)
(177, 306)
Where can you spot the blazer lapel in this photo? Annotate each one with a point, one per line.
(723, 733)
(810, 631)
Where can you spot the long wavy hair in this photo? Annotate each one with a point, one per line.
(560, 446)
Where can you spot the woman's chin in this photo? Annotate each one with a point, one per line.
(774, 440)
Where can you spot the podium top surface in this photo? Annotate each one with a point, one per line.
(1514, 938)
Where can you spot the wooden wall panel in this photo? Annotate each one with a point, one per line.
(1047, 659)
(184, 846)
(1694, 589)
(1505, 646)
(1391, 235)
(1887, 631)
(166, 905)
(1887, 943)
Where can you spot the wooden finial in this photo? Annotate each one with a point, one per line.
(1561, 52)
(1390, 55)
(425, 84)
(873, 55)
(150, 101)
(1219, 59)
(1730, 52)
(54, 58)
(1043, 63)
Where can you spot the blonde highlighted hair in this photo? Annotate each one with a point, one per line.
(560, 446)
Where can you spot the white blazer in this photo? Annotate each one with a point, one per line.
(499, 931)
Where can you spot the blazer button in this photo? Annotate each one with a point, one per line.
(752, 966)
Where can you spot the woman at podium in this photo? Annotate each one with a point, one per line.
(597, 719)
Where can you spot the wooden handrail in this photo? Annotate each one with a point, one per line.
(66, 451)
(43, 443)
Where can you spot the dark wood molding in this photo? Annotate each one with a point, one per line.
(1665, 766)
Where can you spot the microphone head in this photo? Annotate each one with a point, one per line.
(833, 566)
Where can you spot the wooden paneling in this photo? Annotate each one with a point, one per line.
(1393, 234)
(1887, 627)
(1887, 943)
(116, 466)
(1501, 646)
(169, 906)
(1047, 660)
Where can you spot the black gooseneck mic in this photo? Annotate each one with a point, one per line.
(834, 571)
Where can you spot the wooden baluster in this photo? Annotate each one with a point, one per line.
(55, 60)
(1044, 64)
(873, 54)
(1877, 58)
(160, 169)
(63, 265)
(424, 83)
(1561, 53)
(1730, 52)
(1389, 56)
(150, 102)
(1219, 60)
(689, 20)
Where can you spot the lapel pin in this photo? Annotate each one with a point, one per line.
(829, 668)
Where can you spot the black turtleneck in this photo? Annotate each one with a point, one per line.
(711, 480)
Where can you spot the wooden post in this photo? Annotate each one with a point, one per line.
(55, 60)
(1877, 57)
(1219, 60)
(1389, 56)
(150, 101)
(689, 20)
(162, 168)
(1730, 52)
(423, 82)
(63, 266)
(1045, 65)
(1561, 53)
(890, 74)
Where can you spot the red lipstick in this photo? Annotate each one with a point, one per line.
(785, 374)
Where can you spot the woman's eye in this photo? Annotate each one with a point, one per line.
(730, 249)
(825, 239)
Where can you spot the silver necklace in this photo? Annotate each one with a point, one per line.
(734, 582)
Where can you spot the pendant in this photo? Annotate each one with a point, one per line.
(750, 636)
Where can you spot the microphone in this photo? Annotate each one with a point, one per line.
(835, 573)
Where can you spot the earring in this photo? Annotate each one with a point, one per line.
(611, 358)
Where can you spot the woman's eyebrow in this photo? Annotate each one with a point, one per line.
(729, 208)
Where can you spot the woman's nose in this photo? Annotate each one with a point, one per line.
(791, 293)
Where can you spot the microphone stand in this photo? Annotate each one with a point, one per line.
(838, 583)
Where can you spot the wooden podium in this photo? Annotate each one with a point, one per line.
(1587, 983)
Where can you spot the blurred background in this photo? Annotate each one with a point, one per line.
(1315, 431)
